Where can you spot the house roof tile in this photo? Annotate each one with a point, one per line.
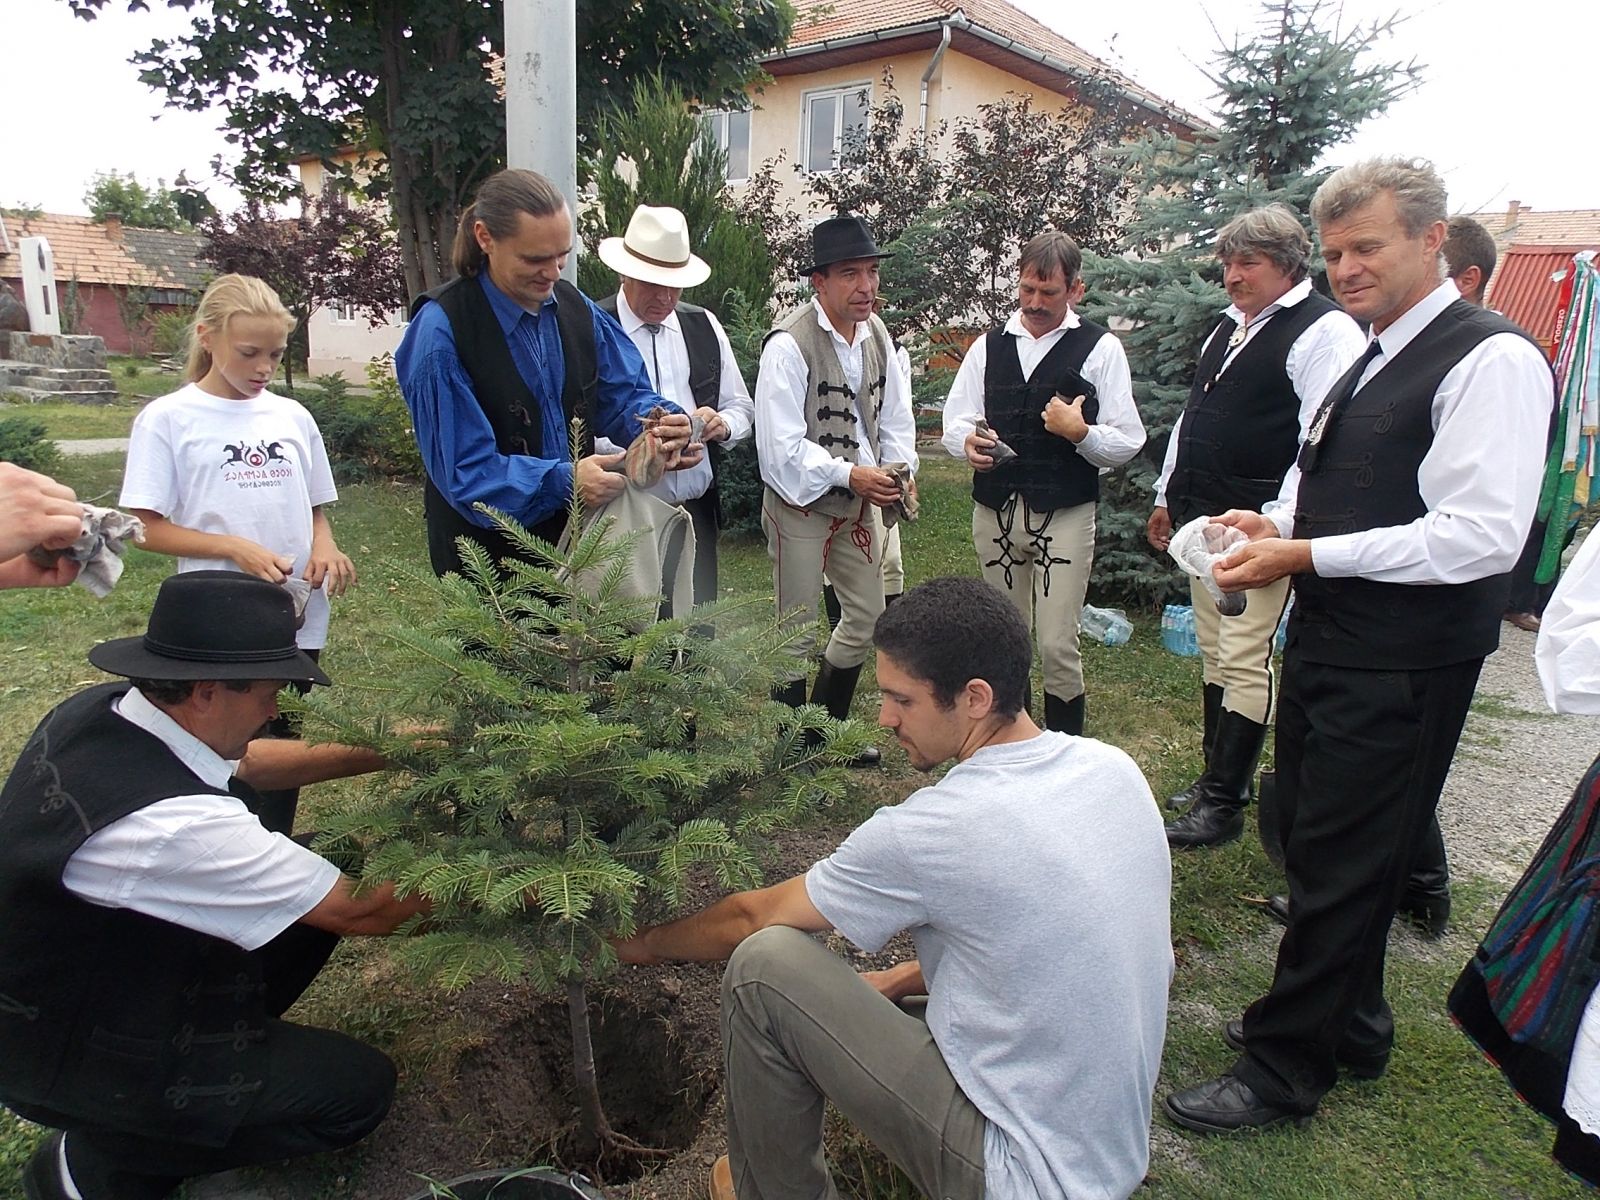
(90, 252)
(821, 21)
(1528, 227)
(1526, 283)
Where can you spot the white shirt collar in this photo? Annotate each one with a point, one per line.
(1417, 318)
(631, 322)
(1015, 326)
(212, 769)
(1288, 300)
(822, 319)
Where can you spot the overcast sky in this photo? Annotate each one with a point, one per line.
(1500, 110)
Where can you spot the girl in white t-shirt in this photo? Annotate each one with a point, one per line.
(224, 473)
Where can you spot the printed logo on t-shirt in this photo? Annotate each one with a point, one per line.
(253, 465)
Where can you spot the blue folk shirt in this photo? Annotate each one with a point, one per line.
(457, 443)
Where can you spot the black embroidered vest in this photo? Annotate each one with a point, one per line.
(1048, 471)
(119, 1020)
(1362, 476)
(511, 408)
(1241, 428)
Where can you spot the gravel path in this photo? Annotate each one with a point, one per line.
(1515, 770)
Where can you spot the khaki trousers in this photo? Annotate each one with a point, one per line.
(1042, 561)
(802, 544)
(1238, 650)
(800, 1028)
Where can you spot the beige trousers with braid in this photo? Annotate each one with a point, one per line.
(1041, 560)
(1238, 650)
(803, 543)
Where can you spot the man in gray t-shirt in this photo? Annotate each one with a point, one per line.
(1034, 880)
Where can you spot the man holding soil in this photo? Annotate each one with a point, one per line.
(1034, 880)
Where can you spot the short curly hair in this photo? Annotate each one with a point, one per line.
(1272, 231)
(950, 631)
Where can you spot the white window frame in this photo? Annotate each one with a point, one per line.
(344, 314)
(718, 122)
(839, 92)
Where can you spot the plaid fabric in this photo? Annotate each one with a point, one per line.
(1538, 959)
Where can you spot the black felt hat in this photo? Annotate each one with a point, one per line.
(839, 239)
(214, 625)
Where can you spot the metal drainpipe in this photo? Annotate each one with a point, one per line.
(933, 65)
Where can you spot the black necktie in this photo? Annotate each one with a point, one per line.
(1338, 396)
(655, 358)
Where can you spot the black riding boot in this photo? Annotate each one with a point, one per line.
(1064, 716)
(830, 606)
(1426, 902)
(1212, 697)
(1217, 815)
(834, 689)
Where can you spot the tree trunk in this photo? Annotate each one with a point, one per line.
(593, 1129)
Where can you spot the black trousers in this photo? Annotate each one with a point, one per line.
(1361, 757)
(703, 514)
(323, 1091)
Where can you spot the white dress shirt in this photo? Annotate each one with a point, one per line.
(203, 862)
(798, 469)
(1568, 649)
(1316, 359)
(1480, 478)
(672, 352)
(1117, 433)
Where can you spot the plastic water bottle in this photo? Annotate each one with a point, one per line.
(1177, 630)
(1108, 626)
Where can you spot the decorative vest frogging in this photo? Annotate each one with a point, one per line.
(1364, 476)
(1048, 470)
(510, 407)
(1241, 428)
(831, 404)
(119, 1020)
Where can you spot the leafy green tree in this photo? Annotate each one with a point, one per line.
(333, 252)
(581, 763)
(112, 193)
(655, 151)
(1300, 87)
(409, 82)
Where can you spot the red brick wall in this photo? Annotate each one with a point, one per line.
(101, 317)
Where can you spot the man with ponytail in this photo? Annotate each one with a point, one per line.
(497, 363)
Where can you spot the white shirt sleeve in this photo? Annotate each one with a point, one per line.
(964, 405)
(1169, 460)
(1319, 357)
(897, 426)
(149, 479)
(1118, 433)
(1568, 650)
(205, 863)
(1480, 478)
(733, 398)
(796, 468)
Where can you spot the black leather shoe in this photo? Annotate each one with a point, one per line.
(1226, 1105)
(868, 758)
(1427, 911)
(1207, 823)
(1359, 1064)
(1278, 909)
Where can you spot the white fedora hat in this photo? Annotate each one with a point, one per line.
(655, 250)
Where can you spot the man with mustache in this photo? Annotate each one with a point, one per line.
(1263, 369)
(1054, 388)
(831, 411)
(155, 931)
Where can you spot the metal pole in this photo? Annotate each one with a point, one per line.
(542, 95)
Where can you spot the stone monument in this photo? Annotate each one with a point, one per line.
(39, 362)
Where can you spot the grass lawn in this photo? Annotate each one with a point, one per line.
(1440, 1124)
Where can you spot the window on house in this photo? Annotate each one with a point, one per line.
(828, 118)
(344, 314)
(730, 131)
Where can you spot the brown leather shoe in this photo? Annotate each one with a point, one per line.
(721, 1186)
(1522, 620)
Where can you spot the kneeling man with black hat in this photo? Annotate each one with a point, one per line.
(154, 931)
